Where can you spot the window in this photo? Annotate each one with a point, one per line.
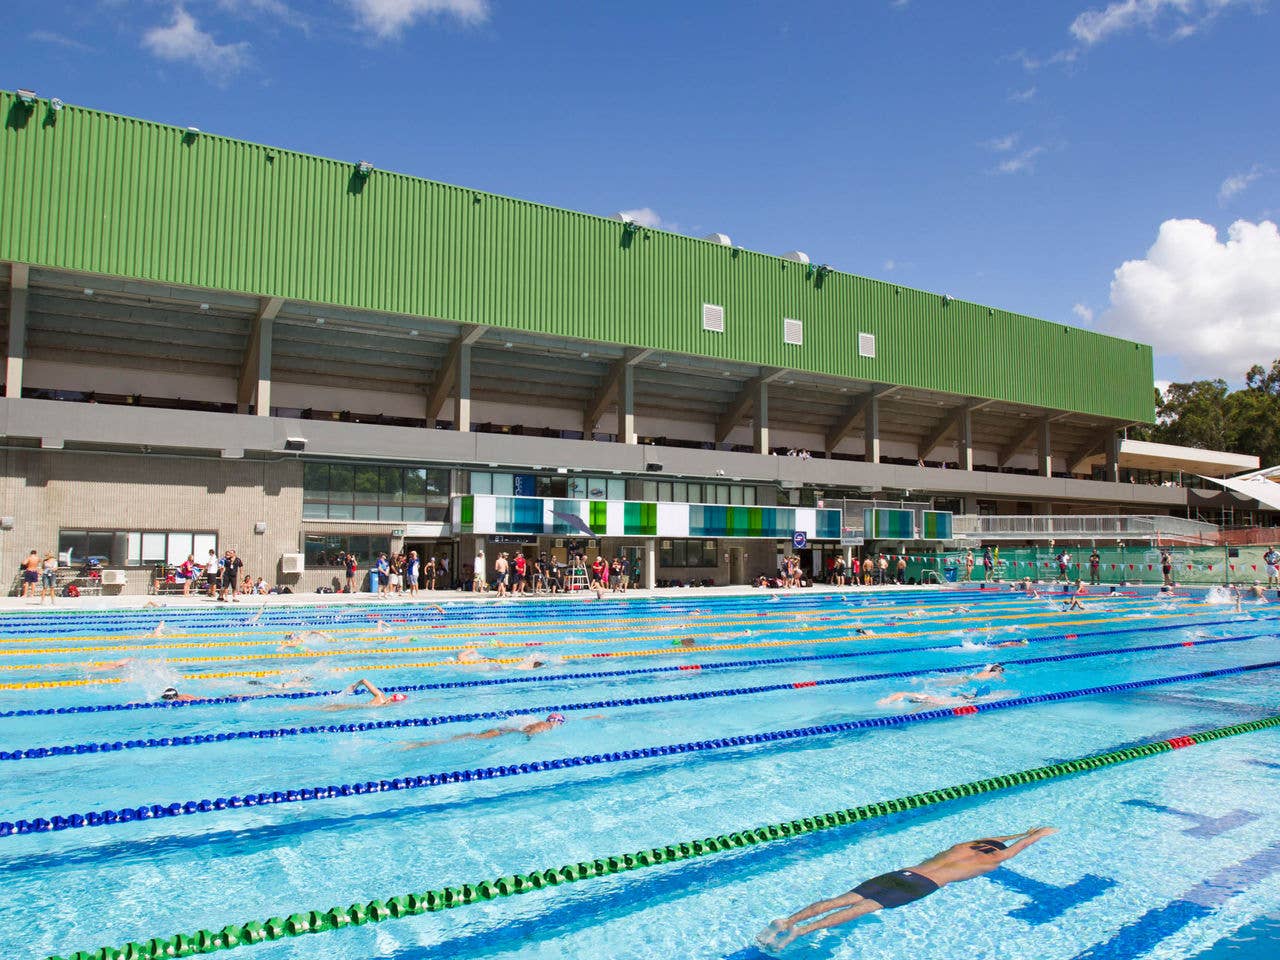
(713, 318)
(326, 549)
(371, 492)
(136, 548)
(688, 553)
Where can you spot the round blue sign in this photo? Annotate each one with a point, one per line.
(798, 539)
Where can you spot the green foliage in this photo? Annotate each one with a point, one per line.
(1207, 414)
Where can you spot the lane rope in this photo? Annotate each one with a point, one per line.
(412, 904)
(113, 817)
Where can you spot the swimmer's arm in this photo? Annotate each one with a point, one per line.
(1027, 839)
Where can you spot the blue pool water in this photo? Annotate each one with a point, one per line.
(1169, 857)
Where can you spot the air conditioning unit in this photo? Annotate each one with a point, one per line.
(291, 563)
(114, 578)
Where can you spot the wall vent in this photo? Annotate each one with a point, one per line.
(712, 318)
(793, 332)
(867, 345)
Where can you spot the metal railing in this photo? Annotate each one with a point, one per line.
(1076, 527)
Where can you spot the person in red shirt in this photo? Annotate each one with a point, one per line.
(521, 568)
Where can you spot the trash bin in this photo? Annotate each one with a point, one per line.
(949, 574)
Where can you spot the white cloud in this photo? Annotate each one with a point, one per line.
(1213, 306)
(1083, 313)
(1022, 96)
(645, 216)
(1238, 183)
(269, 8)
(1022, 162)
(1002, 144)
(889, 265)
(183, 40)
(389, 18)
(58, 39)
(1185, 17)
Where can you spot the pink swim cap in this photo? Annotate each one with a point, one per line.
(555, 718)
(398, 697)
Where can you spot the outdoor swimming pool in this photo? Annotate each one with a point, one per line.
(1175, 855)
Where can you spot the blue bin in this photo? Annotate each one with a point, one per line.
(949, 574)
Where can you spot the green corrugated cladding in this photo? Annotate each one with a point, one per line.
(103, 194)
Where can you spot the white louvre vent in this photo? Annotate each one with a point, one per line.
(712, 318)
(866, 344)
(793, 332)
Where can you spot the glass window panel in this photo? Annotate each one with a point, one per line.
(438, 482)
(481, 483)
(315, 480)
(341, 511)
(415, 514)
(314, 511)
(678, 553)
(617, 489)
(341, 479)
(749, 496)
(679, 491)
(153, 547)
(391, 484)
(179, 547)
(415, 484)
(367, 483)
(202, 543)
(503, 485)
(366, 511)
(710, 555)
(576, 488)
(391, 514)
(664, 491)
(133, 549)
(649, 490)
(735, 495)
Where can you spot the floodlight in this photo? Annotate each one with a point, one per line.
(27, 98)
(364, 168)
(55, 104)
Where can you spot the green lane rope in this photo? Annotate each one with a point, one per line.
(412, 904)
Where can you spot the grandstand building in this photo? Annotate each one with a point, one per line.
(217, 344)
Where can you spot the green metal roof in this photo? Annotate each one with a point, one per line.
(104, 194)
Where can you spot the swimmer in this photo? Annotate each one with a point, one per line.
(980, 693)
(1010, 643)
(533, 663)
(964, 861)
(382, 627)
(992, 671)
(530, 730)
(959, 609)
(380, 699)
(472, 656)
(685, 642)
(170, 695)
(302, 637)
(1257, 593)
(289, 643)
(152, 604)
(160, 630)
(107, 664)
(862, 632)
(437, 608)
(1072, 604)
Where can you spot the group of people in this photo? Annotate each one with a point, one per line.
(220, 576)
(42, 575)
(401, 572)
(519, 576)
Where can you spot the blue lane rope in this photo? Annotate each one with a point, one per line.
(37, 753)
(300, 794)
(591, 675)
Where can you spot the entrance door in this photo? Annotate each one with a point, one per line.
(737, 566)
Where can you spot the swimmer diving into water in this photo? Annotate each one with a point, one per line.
(964, 861)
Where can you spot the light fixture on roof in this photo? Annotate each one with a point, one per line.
(320, 321)
(88, 291)
(662, 365)
(364, 168)
(27, 98)
(204, 306)
(791, 383)
(55, 104)
(728, 373)
(844, 389)
(508, 345)
(413, 333)
(584, 354)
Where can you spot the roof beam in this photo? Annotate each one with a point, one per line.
(447, 375)
(855, 411)
(949, 423)
(607, 392)
(254, 380)
(1011, 450)
(744, 401)
(1094, 445)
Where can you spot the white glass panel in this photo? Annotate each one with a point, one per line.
(135, 549)
(202, 543)
(179, 547)
(153, 547)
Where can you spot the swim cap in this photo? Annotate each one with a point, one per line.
(169, 694)
(555, 718)
(397, 697)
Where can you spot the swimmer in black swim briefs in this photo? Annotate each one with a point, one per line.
(964, 861)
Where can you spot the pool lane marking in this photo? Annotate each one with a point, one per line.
(302, 794)
(65, 750)
(322, 920)
(1143, 934)
(612, 654)
(598, 674)
(1202, 827)
(1048, 902)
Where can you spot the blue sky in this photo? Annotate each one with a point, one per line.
(1110, 163)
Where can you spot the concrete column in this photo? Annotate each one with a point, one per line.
(17, 330)
(964, 446)
(761, 423)
(1044, 453)
(1113, 458)
(627, 405)
(462, 399)
(650, 563)
(871, 432)
(262, 398)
